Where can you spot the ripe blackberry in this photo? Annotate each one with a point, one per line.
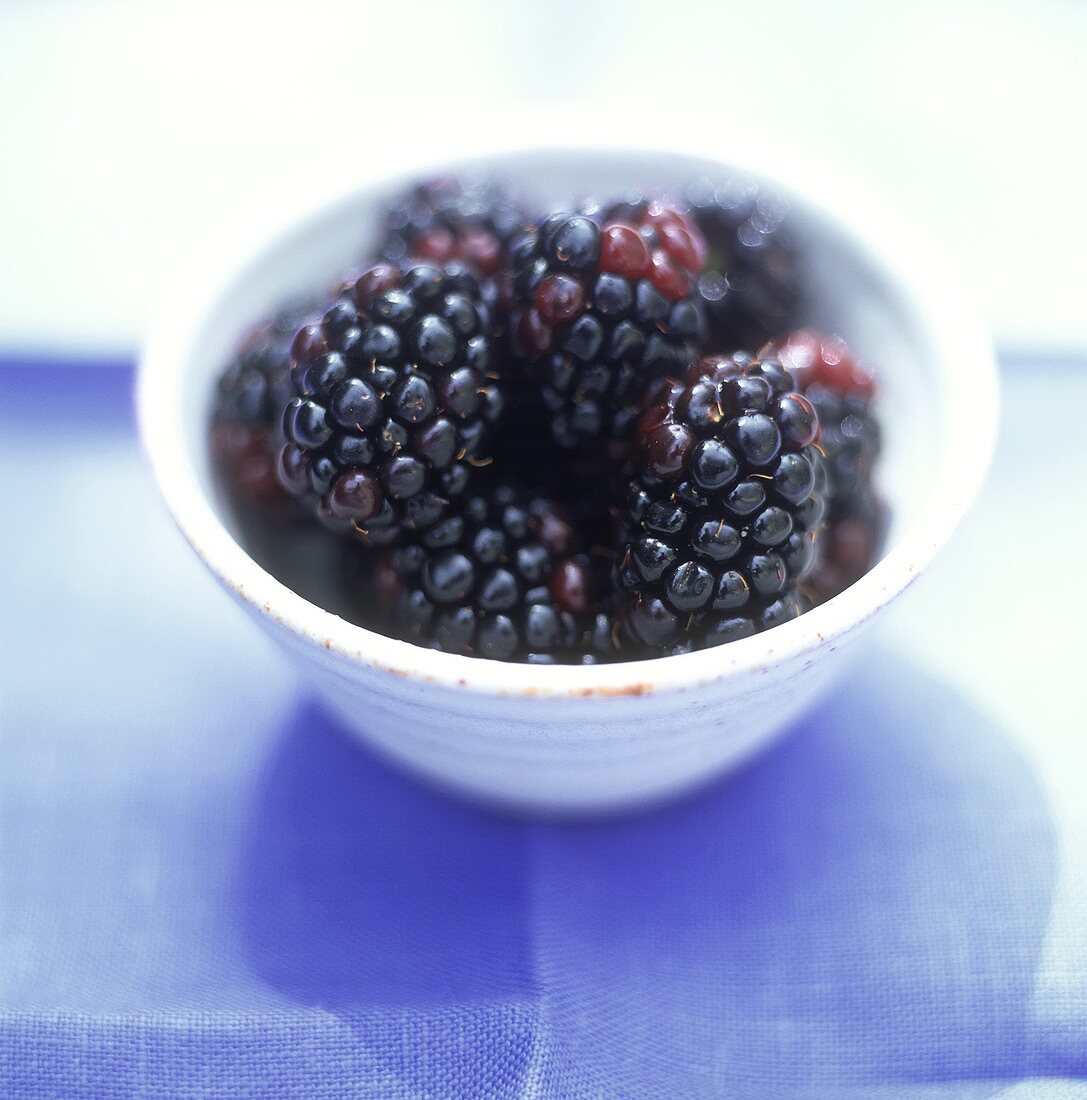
(722, 514)
(249, 399)
(496, 578)
(752, 285)
(842, 391)
(598, 307)
(449, 219)
(394, 400)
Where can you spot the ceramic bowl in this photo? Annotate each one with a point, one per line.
(589, 739)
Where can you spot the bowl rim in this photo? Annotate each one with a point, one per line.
(939, 302)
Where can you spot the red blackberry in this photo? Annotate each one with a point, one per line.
(394, 400)
(495, 578)
(722, 514)
(249, 400)
(842, 391)
(752, 285)
(598, 307)
(449, 219)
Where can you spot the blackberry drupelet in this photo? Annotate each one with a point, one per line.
(722, 514)
(394, 400)
(842, 391)
(249, 400)
(497, 578)
(599, 306)
(752, 287)
(450, 219)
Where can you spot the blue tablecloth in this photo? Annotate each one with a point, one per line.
(206, 890)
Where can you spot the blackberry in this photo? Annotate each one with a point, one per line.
(752, 287)
(393, 400)
(449, 219)
(250, 396)
(599, 306)
(722, 514)
(496, 578)
(842, 391)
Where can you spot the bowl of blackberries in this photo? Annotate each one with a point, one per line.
(569, 477)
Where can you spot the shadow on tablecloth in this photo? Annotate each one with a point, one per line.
(865, 903)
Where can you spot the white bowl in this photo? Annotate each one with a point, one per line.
(590, 739)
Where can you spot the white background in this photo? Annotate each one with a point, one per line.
(129, 128)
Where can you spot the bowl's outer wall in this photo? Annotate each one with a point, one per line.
(558, 751)
(540, 754)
